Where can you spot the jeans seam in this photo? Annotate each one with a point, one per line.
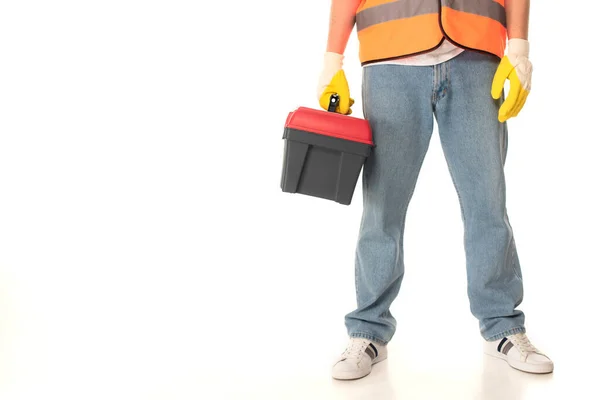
(365, 183)
(460, 201)
(512, 331)
(369, 336)
(404, 212)
(516, 270)
(364, 93)
(445, 80)
(509, 257)
(434, 86)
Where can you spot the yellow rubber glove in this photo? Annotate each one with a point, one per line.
(333, 81)
(516, 67)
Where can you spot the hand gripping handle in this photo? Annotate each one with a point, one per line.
(334, 102)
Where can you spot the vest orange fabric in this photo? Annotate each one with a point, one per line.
(395, 28)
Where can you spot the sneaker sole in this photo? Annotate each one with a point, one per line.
(521, 366)
(348, 376)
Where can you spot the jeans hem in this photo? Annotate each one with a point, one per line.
(370, 337)
(520, 329)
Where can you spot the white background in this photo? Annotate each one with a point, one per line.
(147, 251)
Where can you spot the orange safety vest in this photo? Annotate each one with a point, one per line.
(390, 29)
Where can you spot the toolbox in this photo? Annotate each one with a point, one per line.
(324, 152)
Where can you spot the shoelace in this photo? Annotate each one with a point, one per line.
(355, 349)
(523, 344)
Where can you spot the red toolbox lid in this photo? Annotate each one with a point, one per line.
(331, 124)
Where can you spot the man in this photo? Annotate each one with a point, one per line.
(447, 59)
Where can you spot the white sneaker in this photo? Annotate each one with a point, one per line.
(520, 354)
(358, 358)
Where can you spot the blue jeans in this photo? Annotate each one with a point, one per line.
(400, 102)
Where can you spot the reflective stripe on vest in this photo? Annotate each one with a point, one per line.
(395, 28)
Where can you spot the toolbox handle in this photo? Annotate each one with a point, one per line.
(334, 102)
